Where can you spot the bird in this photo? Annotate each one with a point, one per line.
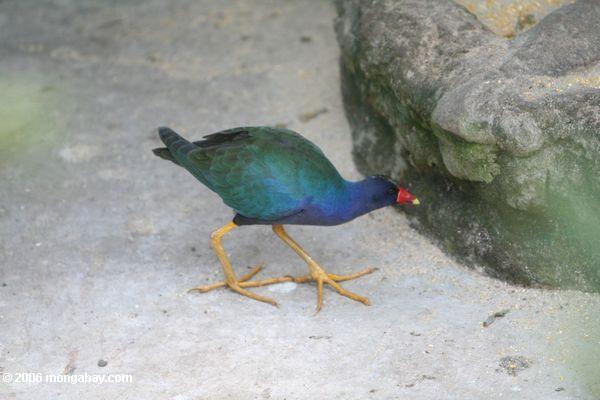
(274, 176)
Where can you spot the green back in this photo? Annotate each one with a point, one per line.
(263, 172)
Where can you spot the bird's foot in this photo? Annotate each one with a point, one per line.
(238, 286)
(304, 278)
(319, 275)
(334, 277)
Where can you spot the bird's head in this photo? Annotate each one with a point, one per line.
(387, 192)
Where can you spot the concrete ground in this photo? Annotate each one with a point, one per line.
(99, 239)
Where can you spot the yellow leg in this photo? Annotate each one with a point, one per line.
(318, 274)
(230, 280)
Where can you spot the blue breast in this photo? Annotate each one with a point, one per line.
(342, 205)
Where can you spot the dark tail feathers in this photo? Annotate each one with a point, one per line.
(175, 145)
(164, 153)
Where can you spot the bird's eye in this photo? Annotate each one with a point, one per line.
(392, 191)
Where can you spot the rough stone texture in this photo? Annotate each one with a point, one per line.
(509, 17)
(501, 138)
(100, 239)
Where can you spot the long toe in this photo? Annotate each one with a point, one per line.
(319, 275)
(236, 288)
(208, 288)
(348, 293)
(342, 278)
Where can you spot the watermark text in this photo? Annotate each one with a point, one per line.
(38, 377)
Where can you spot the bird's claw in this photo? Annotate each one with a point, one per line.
(208, 288)
(319, 275)
(236, 286)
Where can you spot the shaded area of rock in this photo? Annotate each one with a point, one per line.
(498, 137)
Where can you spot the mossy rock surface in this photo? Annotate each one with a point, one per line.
(498, 134)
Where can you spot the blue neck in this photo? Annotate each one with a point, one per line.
(364, 196)
(344, 203)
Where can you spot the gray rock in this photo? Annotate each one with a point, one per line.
(500, 137)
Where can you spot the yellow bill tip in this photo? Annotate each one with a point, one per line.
(416, 202)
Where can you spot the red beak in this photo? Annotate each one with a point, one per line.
(405, 197)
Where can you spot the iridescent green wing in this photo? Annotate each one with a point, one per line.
(264, 172)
